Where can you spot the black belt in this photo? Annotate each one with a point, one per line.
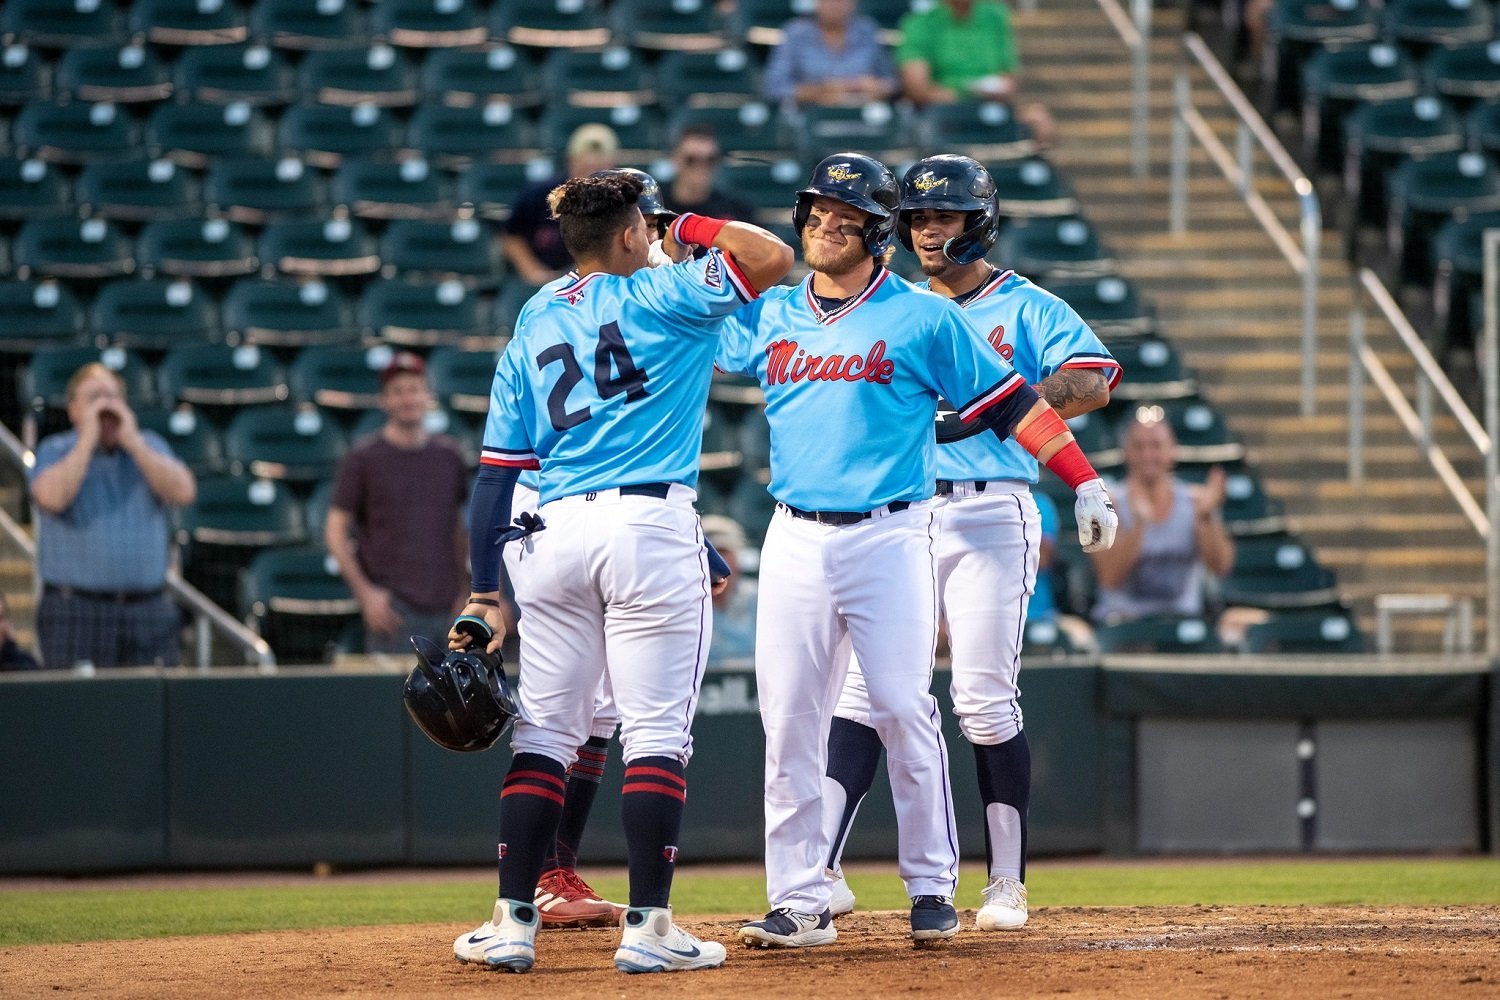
(842, 516)
(108, 596)
(658, 490)
(945, 486)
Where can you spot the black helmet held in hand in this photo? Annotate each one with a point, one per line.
(950, 183)
(459, 698)
(858, 180)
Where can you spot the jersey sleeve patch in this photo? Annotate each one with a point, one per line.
(722, 266)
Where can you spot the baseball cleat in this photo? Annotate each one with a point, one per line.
(787, 928)
(1004, 906)
(565, 900)
(842, 900)
(932, 919)
(507, 942)
(469, 946)
(653, 943)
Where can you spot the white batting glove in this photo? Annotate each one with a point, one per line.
(1095, 513)
(656, 256)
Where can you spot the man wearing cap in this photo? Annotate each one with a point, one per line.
(531, 238)
(396, 520)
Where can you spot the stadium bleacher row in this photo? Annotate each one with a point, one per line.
(244, 208)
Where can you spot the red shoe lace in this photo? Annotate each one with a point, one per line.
(572, 887)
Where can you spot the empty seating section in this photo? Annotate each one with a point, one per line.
(245, 206)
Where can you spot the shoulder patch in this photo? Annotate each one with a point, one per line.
(713, 272)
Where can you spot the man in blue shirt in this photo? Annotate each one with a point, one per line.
(101, 492)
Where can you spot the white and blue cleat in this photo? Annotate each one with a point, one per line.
(653, 943)
(507, 941)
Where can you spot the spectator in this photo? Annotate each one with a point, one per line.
(1171, 533)
(396, 519)
(1043, 604)
(12, 656)
(695, 165)
(964, 50)
(532, 242)
(101, 492)
(734, 607)
(834, 57)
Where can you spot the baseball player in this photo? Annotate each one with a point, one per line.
(852, 362)
(602, 389)
(989, 529)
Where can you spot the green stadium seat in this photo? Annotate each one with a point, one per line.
(336, 247)
(1042, 639)
(255, 190)
(455, 137)
(1298, 28)
(32, 189)
(1098, 439)
(1458, 266)
(287, 313)
(1202, 435)
(760, 21)
(1424, 193)
(639, 129)
(720, 447)
(1153, 370)
(298, 602)
(877, 126)
(315, 507)
(550, 24)
(75, 133)
(188, 22)
(461, 380)
(138, 191)
(294, 444)
(128, 75)
(888, 14)
(491, 188)
(222, 378)
(1379, 134)
(1420, 25)
(1465, 74)
(38, 315)
(598, 79)
(1247, 509)
(463, 78)
(1031, 188)
(1335, 81)
(466, 429)
(61, 24)
(986, 130)
(751, 127)
(194, 248)
(423, 314)
(380, 75)
(1483, 127)
(405, 189)
(228, 74)
(194, 440)
(1312, 632)
(752, 506)
(297, 24)
(1277, 572)
(153, 314)
(513, 294)
(754, 440)
(1064, 248)
(429, 24)
(724, 78)
(1158, 634)
(765, 186)
(669, 25)
(460, 249)
(196, 135)
(232, 520)
(339, 378)
(72, 248)
(24, 75)
(1110, 305)
(44, 384)
(325, 135)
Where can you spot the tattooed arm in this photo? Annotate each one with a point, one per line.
(1071, 391)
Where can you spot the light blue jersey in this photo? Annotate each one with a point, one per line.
(604, 384)
(851, 394)
(1038, 333)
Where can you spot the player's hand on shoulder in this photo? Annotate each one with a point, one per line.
(1095, 513)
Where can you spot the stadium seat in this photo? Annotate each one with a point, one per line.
(24, 74)
(1458, 265)
(75, 133)
(131, 74)
(138, 191)
(1042, 639)
(725, 78)
(459, 249)
(1054, 249)
(153, 314)
(465, 429)
(1465, 74)
(196, 135)
(986, 130)
(72, 248)
(38, 315)
(221, 377)
(752, 506)
(750, 127)
(760, 21)
(325, 135)
(1277, 572)
(1424, 193)
(188, 22)
(877, 126)
(255, 190)
(1420, 25)
(1152, 371)
(422, 314)
(297, 601)
(1298, 28)
(720, 447)
(44, 384)
(32, 189)
(765, 186)
(1097, 436)
(405, 189)
(599, 79)
(491, 188)
(1111, 306)
(754, 440)
(508, 302)
(1158, 634)
(228, 74)
(287, 313)
(1202, 435)
(295, 444)
(461, 380)
(454, 137)
(1379, 134)
(1483, 127)
(315, 507)
(669, 25)
(233, 519)
(336, 247)
(638, 129)
(1335, 81)
(339, 378)
(549, 24)
(429, 24)
(193, 248)
(1307, 632)
(61, 24)
(193, 439)
(1247, 509)
(1031, 188)
(380, 75)
(297, 24)
(464, 78)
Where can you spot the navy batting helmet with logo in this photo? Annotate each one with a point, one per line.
(650, 203)
(950, 183)
(858, 180)
(459, 698)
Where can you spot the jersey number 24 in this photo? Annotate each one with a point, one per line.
(610, 356)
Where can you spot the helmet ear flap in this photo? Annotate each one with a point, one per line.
(800, 211)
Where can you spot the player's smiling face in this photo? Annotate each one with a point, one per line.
(832, 239)
(931, 229)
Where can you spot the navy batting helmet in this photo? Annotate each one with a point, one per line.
(949, 183)
(858, 180)
(650, 202)
(460, 699)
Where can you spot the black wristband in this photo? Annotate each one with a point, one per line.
(484, 601)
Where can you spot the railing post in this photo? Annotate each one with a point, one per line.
(203, 639)
(1489, 358)
(1244, 146)
(1312, 256)
(1357, 390)
(1424, 408)
(1140, 112)
(1177, 207)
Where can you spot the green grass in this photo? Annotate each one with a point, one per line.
(60, 915)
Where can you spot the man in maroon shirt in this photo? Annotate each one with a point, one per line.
(396, 519)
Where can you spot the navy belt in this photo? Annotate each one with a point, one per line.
(658, 490)
(107, 596)
(843, 517)
(945, 486)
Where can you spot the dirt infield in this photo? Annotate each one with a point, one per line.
(1156, 952)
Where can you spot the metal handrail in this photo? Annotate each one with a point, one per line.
(1134, 30)
(1239, 170)
(208, 617)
